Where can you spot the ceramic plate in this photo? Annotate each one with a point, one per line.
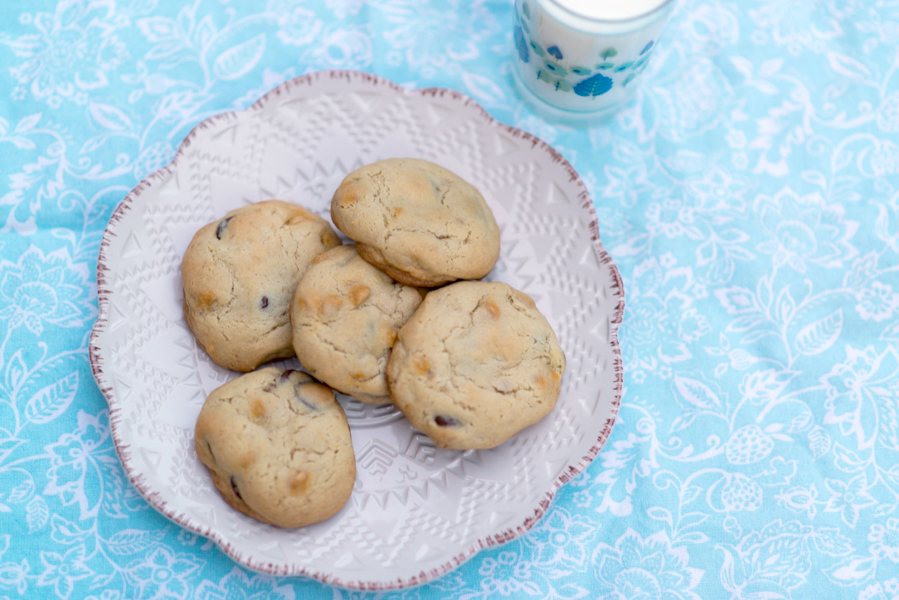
(417, 511)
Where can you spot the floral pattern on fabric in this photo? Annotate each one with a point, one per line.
(748, 193)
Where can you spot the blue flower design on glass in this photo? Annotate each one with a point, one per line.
(552, 72)
(521, 45)
(557, 69)
(593, 86)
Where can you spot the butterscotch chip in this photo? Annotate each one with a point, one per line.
(278, 447)
(418, 222)
(345, 339)
(475, 364)
(239, 274)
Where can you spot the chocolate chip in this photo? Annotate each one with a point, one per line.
(286, 374)
(221, 228)
(234, 487)
(264, 302)
(442, 421)
(306, 402)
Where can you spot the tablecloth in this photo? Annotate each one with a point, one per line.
(749, 195)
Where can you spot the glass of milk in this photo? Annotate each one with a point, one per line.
(577, 61)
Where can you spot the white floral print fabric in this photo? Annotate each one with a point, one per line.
(749, 194)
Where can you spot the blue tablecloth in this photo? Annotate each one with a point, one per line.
(749, 194)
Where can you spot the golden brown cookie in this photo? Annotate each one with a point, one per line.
(418, 222)
(239, 274)
(345, 314)
(278, 446)
(475, 364)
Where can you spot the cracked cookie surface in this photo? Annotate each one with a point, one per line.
(345, 315)
(239, 274)
(418, 222)
(278, 446)
(475, 364)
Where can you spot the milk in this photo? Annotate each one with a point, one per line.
(583, 57)
(610, 10)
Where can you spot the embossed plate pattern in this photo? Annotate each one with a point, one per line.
(417, 511)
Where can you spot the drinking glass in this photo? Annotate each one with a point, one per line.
(577, 61)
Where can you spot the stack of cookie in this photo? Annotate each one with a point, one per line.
(398, 317)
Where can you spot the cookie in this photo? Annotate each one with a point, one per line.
(239, 274)
(418, 222)
(474, 365)
(278, 446)
(345, 315)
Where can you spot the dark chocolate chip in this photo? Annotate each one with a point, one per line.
(221, 228)
(286, 375)
(234, 487)
(308, 404)
(264, 302)
(442, 421)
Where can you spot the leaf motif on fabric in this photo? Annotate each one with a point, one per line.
(205, 32)
(770, 67)
(110, 117)
(65, 531)
(237, 61)
(819, 441)
(28, 123)
(8, 444)
(743, 65)
(731, 568)
(883, 228)
(801, 422)
(129, 541)
(157, 29)
(696, 393)
(15, 371)
(483, 89)
(815, 178)
(691, 519)
(636, 244)
(786, 306)
(693, 537)
(685, 420)
(660, 513)
(94, 143)
(820, 335)
(53, 400)
(847, 66)
(22, 490)
(760, 387)
(847, 460)
(829, 540)
(67, 362)
(36, 513)
(852, 571)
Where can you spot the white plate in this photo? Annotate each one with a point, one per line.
(417, 511)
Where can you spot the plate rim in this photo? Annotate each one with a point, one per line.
(100, 327)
